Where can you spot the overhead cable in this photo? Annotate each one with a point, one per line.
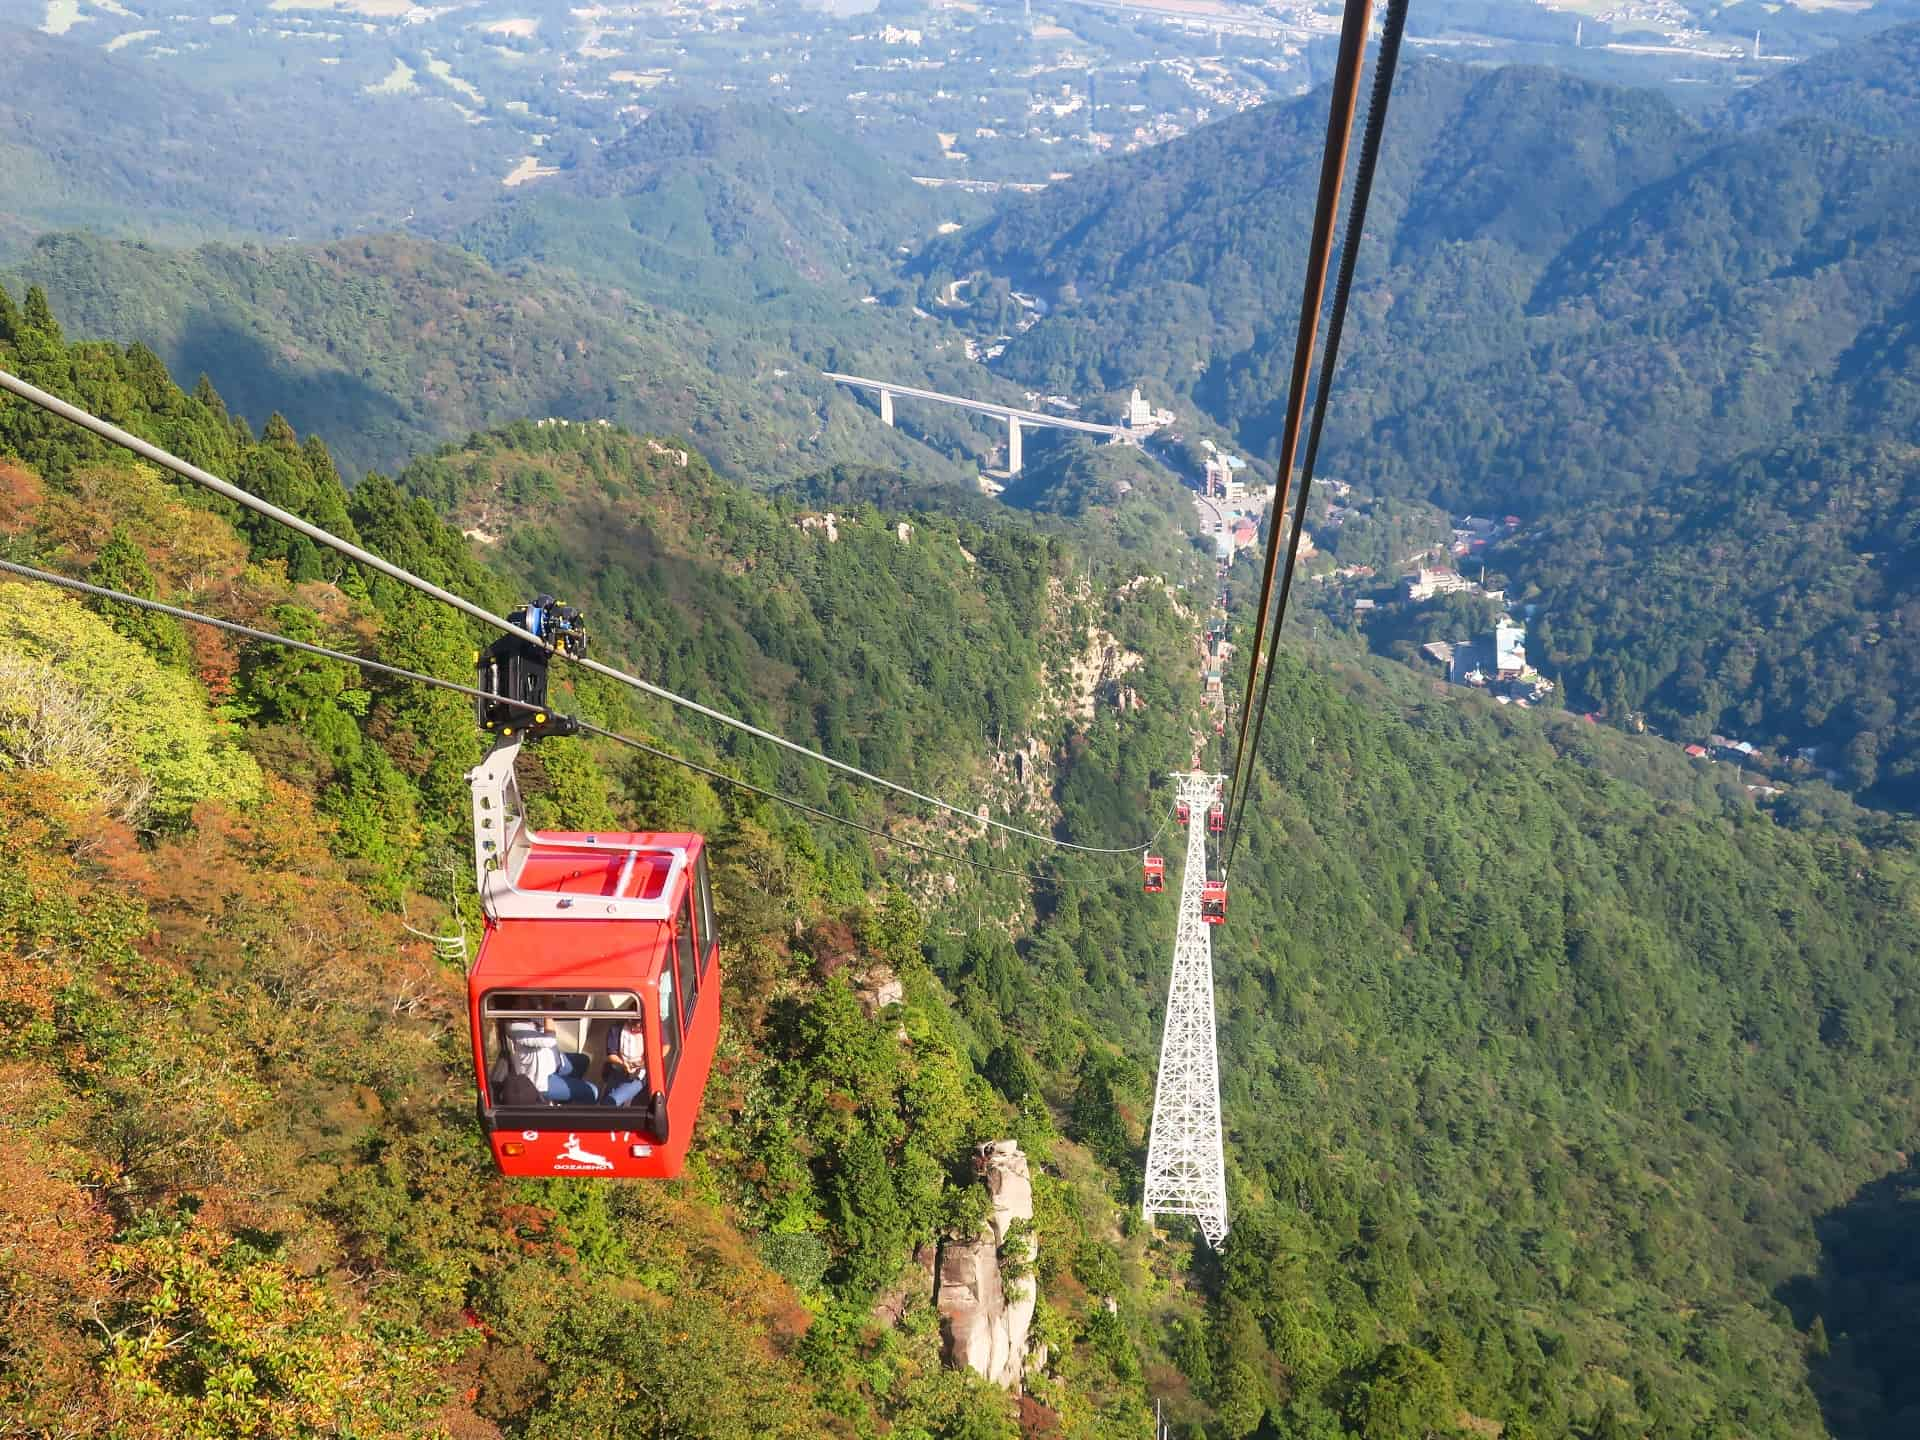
(1383, 68)
(101, 592)
(108, 431)
(1333, 162)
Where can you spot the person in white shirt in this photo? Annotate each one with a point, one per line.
(626, 1063)
(555, 1074)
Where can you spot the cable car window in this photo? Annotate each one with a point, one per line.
(707, 939)
(683, 950)
(544, 1048)
(669, 1027)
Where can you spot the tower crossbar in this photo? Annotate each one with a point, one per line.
(1186, 1159)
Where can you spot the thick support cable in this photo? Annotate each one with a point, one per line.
(108, 431)
(1384, 66)
(193, 617)
(1333, 164)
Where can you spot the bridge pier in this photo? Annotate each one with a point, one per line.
(1013, 446)
(886, 407)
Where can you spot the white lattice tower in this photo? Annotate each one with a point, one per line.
(1186, 1162)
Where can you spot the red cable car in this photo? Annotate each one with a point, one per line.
(1181, 813)
(1213, 902)
(1155, 877)
(1216, 819)
(594, 1001)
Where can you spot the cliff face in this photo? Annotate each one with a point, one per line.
(984, 1312)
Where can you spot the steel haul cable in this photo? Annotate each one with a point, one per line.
(1333, 162)
(1383, 70)
(108, 431)
(101, 592)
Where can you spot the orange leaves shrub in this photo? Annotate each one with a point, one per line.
(20, 495)
(53, 1226)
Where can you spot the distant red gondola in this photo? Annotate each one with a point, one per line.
(1216, 819)
(1181, 813)
(1155, 875)
(1213, 902)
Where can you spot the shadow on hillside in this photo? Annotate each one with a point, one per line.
(1862, 1311)
(364, 427)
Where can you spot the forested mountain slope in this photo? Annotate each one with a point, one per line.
(707, 588)
(101, 140)
(238, 1081)
(709, 209)
(1873, 86)
(1567, 291)
(1573, 306)
(1542, 1052)
(1546, 1054)
(1775, 598)
(398, 345)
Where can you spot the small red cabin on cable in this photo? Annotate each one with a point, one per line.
(1216, 819)
(1155, 875)
(1213, 902)
(1181, 812)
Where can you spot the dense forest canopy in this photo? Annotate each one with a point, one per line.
(1545, 1048)
(258, 1135)
(1775, 599)
(1874, 86)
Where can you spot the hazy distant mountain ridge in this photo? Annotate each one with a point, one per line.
(88, 138)
(397, 345)
(1774, 599)
(1565, 288)
(1681, 350)
(738, 205)
(1874, 86)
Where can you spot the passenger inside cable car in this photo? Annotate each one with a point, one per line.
(532, 1061)
(1154, 874)
(1213, 902)
(626, 1063)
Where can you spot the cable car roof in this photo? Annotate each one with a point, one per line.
(569, 921)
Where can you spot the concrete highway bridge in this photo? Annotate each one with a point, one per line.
(1014, 416)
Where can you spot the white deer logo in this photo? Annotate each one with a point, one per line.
(572, 1151)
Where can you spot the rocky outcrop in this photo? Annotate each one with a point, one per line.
(984, 1288)
(879, 988)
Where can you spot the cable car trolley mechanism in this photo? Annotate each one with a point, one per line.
(514, 669)
(594, 1000)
